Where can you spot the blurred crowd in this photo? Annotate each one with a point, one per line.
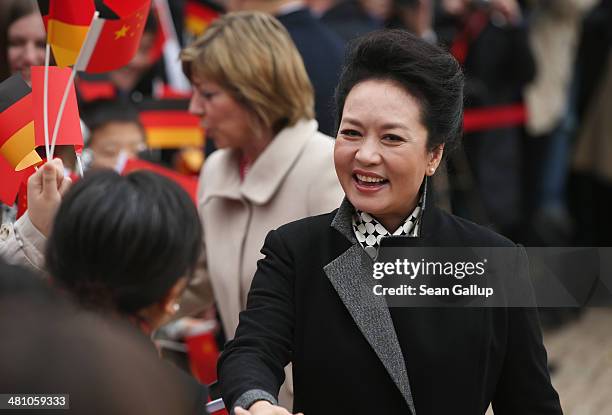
(534, 162)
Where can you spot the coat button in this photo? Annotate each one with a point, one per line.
(4, 232)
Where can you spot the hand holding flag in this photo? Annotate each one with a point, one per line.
(46, 188)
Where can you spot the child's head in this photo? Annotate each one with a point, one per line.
(114, 128)
(125, 244)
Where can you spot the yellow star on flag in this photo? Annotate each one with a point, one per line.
(121, 32)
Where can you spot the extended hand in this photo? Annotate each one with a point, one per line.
(263, 408)
(45, 190)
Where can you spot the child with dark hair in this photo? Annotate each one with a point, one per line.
(114, 128)
(124, 246)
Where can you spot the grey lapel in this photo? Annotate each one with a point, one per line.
(351, 276)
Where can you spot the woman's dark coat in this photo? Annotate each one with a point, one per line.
(311, 303)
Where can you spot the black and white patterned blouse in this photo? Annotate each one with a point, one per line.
(369, 231)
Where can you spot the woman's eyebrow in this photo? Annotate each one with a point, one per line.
(385, 126)
(394, 125)
(353, 121)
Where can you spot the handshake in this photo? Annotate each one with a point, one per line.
(263, 408)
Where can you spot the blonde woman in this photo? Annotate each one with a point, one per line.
(272, 166)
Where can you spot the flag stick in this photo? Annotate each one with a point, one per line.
(79, 164)
(58, 120)
(67, 89)
(46, 100)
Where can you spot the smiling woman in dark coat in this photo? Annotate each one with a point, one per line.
(400, 105)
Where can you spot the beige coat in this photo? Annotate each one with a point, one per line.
(593, 152)
(293, 178)
(22, 244)
(553, 36)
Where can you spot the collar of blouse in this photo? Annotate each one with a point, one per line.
(369, 231)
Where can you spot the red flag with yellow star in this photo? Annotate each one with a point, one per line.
(113, 39)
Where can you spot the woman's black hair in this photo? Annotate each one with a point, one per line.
(426, 71)
(121, 242)
(10, 13)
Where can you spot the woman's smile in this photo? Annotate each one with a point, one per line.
(369, 182)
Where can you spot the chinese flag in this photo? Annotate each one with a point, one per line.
(66, 22)
(17, 145)
(113, 42)
(203, 354)
(70, 128)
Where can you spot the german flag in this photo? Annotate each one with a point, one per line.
(199, 14)
(114, 37)
(17, 144)
(168, 124)
(12, 181)
(67, 22)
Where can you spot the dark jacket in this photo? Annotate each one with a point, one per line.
(310, 303)
(323, 54)
(347, 19)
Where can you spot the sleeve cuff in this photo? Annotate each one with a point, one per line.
(33, 242)
(29, 234)
(250, 397)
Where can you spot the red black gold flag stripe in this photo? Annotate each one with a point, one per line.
(66, 22)
(17, 144)
(168, 124)
(199, 14)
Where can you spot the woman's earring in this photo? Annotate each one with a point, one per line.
(432, 170)
(176, 307)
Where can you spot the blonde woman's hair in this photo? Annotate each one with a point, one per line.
(252, 56)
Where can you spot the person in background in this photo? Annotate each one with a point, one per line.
(554, 34)
(321, 49)
(272, 166)
(51, 346)
(490, 40)
(346, 18)
(379, 10)
(592, 152)
(114, 128)
(22, 39)
(416, 16)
